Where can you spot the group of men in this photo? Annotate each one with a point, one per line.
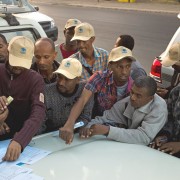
(110, 92)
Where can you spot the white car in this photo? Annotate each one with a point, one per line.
(160, 73)
(11, 26)
(98, 158)
(22, 8)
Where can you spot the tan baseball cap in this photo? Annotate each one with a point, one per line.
(84, 32)
(70, 68)
(72, 23)
(21, 51)
(173, 56)
(120, 53)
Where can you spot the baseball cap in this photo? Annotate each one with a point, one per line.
(21, 51)
(72, 23)
(120, 53)
(70, 68)
(84, 32)
(173, 55)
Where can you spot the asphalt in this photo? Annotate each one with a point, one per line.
(153, 6)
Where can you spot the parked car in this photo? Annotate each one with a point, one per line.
(11, 26)
(160, 73)
(98, 158)
(22, 8)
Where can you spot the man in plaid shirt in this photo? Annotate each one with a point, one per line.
(92, 58)
(109, 86)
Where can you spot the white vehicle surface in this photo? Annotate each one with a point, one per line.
(98, 158)
(160, 73)
(22, 8)
(11, 26)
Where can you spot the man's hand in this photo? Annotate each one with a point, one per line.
(3, 103)
(3, 116)
(170, 147)
(162, 92)
(4, 128)
(13, 151)
(67, 134)
(96, 129)
(158, 141)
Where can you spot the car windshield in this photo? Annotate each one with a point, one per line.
(16, 6)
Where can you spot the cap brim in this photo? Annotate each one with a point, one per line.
(65, 73)
(70, 26)
(82, 38)
(19, 62)
(118, 59)
(167, 62)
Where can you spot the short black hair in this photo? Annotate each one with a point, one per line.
(48, 40)
(3, 38)
(126, 41)
(146, 82)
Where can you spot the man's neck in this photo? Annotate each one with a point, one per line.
(90, 59)
(48, 74)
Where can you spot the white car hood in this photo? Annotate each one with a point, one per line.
(37, 16)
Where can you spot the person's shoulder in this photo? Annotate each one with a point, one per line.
(33, 75)
(2, 65)
(75, 55)
(51, 88)
(101, 50)
(159, 101)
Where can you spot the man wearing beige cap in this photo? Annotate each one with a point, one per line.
(61, 96)
(69, 47)
(108, 86)
(92, 58)
(136, 119)
(26, 112)
(171, 59)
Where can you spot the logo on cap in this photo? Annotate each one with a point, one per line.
(68, 64)
(80, 30)
(23, 50)
(124, 51)
(75, 21)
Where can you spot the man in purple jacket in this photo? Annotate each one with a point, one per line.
(21, 119)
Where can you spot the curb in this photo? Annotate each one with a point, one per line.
(111, 7)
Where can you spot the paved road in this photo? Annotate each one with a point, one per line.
(152, 31)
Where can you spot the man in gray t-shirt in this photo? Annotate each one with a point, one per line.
(61, 96)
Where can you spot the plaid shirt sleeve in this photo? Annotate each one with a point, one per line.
(94, 82)
(173, 104)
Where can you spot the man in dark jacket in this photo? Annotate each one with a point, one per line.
(23, 117)
(45, 55)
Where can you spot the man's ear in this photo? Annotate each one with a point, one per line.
(109, 66)
(93, 39)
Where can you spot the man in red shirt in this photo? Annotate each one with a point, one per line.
(69, 47)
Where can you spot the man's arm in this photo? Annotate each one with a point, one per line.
(145, 132)
(37, 114)
(68, 130)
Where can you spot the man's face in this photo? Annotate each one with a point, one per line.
(3, 51)
(85, 46)
(65, 85)
(44, 55)
(69, 33)
(121, 70)
(139, 96)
